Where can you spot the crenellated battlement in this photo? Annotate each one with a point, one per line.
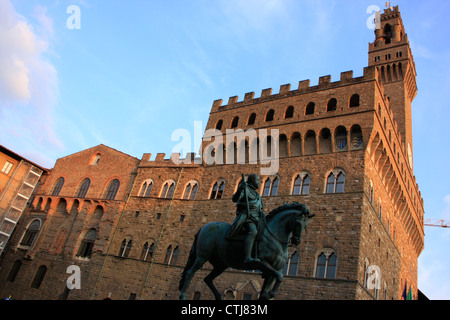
(191, 159)
(304, 86)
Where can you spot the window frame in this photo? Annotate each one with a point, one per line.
(7, 167)
(302, 176)
(217, 190)
(332, 183)
(83, 188)
(271, 186)
(326, 267)
(111, 189)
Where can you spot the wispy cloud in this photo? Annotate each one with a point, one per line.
(28, 82)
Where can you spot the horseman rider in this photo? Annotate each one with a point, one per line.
(249, 212)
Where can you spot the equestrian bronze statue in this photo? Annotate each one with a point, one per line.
(225, 245)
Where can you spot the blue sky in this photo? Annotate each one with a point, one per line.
(136, 71)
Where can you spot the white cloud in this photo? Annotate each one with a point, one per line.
(28, 81)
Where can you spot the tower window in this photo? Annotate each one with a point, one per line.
(289, 112)
(354, 101)
(269, 115)
(235, 122)
(251, 119)
(310, 108)
(387, 34)
(219, 124)
(332, 105)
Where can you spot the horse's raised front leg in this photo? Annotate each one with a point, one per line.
(209, 280)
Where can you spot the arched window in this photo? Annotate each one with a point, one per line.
(310, 142)
(332, 104)
(269, 115)
(31, 233)
(356, 138)
(217, 190)
(61, 207)
(387, 33)
(295, 145)
(39, 204)
(310, 108)
(289, 113)
(301, 184)
(57, 187)
(125, 248)
(354, 101)
(39, 277)
(251, 119)
(336, 182)
(48, 205)
(112, 189)
(146, 188)
(147, 251)
(283, 146)
(96, 159)
(326, 264)
(271, 187)
(191, 191)
(371, 192)
(168, 189)
(219, 124)
(83, 188)
(235, 122)
(14, 271)
(171, 255)
(325, 141)
(85, 250)
(340, 136)
(291, 266)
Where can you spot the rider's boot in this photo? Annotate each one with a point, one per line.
(248, 246)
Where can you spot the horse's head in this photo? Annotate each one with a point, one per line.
(299, 223)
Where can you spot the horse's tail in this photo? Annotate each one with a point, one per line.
(190, 261)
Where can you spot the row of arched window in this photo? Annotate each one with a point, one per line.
(332, 105)
(296, 144)
(334, 183)
(147, 251)
(325, 264)
(83, 188)
(168, 189)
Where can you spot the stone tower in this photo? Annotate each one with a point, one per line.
(392, 56)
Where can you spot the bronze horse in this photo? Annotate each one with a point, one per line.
(283, 223)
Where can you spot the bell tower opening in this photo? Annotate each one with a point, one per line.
(387, 33)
